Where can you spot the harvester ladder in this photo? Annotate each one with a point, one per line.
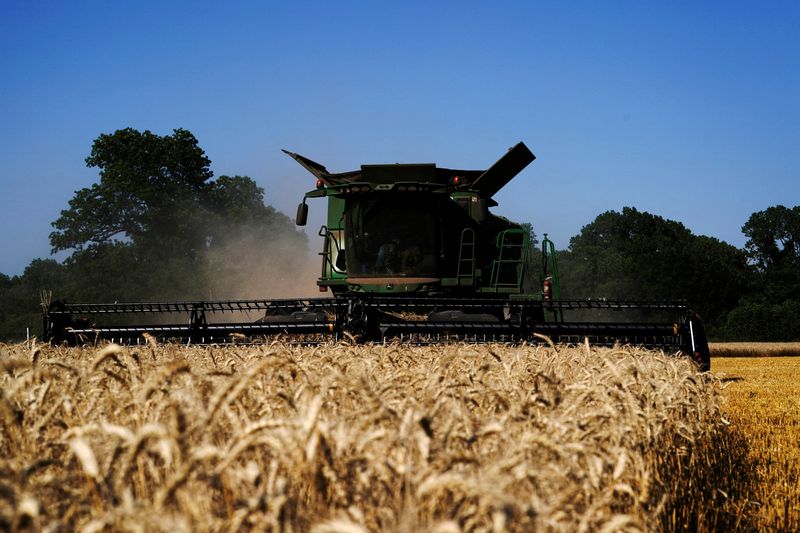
(466, 258)
(508, 268)
(550, 272)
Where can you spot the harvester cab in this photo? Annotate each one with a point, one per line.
(419, 229)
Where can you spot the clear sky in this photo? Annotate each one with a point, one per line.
(688, 110)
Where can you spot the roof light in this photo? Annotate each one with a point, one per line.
(456, 180)
(320, 183)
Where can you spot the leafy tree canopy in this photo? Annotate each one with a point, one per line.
(157, 225)
(773, 237)
(157, 191)
(151, 188)
(773, 246)
(637, 255)
(20, 297)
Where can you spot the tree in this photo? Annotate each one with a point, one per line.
(637, 255)
(151, 193)
(527, 227)
(772, 312)
(235, 204)
(773, 237)
(157, 225)
(760, 320)
(773, 246)
(20, 308)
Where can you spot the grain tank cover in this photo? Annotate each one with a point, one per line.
(421, 173)
(503, 171)
(485, 182)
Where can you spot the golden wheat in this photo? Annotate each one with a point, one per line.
(360, 438)
(763, 399)
(755, 349)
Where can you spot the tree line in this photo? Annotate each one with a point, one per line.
(159, 226)
(750, 294)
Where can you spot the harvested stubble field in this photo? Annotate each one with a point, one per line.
(762, 398)
(367, 438)
(754, 349)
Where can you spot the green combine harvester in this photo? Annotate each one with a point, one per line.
(411, 251)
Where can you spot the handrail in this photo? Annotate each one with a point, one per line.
(547, 243)
(471, 260)
(502, 245)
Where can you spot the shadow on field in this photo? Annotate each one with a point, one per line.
(710, 484)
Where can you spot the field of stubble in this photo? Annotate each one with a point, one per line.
(762, 399)
(362, 438)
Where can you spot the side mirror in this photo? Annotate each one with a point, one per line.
(302, 214)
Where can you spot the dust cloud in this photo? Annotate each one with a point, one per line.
(255, 265)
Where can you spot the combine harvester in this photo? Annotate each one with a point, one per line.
(411, 251)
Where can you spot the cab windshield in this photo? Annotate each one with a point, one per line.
(392, 236)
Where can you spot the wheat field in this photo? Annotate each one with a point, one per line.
(762, 398)
(341, 438)
(754, 349)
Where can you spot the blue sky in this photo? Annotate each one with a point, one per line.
(688, 110)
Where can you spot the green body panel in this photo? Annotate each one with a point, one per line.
(333, 245)
(419, 229)
(392, 288)
(489, 256)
